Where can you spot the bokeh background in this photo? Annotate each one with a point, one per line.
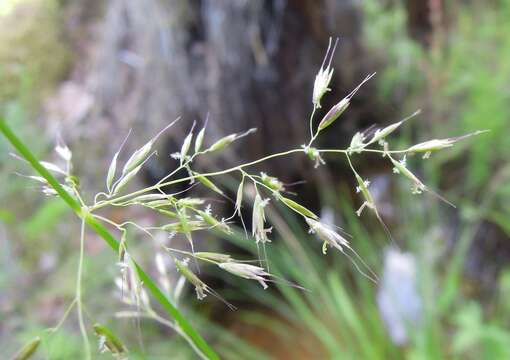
(87, 71)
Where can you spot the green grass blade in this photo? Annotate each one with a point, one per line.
(154, 290)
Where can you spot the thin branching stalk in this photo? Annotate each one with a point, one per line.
(159, 186)
(187, 215)
(150, 285)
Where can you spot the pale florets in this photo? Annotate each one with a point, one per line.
(323, 77)
(259, 231)
(246, 271)
(328, 235)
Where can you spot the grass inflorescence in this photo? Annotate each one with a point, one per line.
(184, 216)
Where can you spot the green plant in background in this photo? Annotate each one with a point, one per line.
(29, 31)
(338, 317)
(387, 38)
(182, 216)
(463, 76)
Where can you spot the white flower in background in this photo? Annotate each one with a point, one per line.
(398, 299)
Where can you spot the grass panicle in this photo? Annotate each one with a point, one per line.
(183, 215)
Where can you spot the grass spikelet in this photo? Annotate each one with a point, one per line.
(112, 169)
(259, 230)
(213, 222)
(140, 155)
(300, 209)
(439, 144)
(28, 350)
(108, 341)
(323, 77)
(227, 140)
(212, 256)
(246, 271)
(199, 140)
(272, 182)
(201, 288)
(338, 109)
(418, 186)
(186, 145)
(380, 134)
(125, 179)
(333, 239)
(208, 183)
(239, 197)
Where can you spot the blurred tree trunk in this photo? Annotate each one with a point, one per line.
(246, 63)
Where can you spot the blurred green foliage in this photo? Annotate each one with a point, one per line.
(338, 317)
(476, 69)
(461, 79)
(33, 54)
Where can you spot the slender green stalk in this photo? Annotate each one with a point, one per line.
(151, 286)
(79, 304)
(312, 137)
(158, 186)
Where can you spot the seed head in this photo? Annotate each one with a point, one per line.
(239, 197)
(227, 140)
(323, 77)
(113, 165)
(223, 258)
(314, 155)
(380, 134)
(400, 168)
(272, 182)
(439, 144)
(258, 228)
(185, 147)
(200, 137)
(108, 341)
(125, 179)
(363, 188)
(357, 143)
(246, 271)
(221, 143)
(137, 158)
(199, 140)
(213, 222)
(334, 113)
(328, 235)
(188, 201)
(200, 287)
(140, 155)
(300, 209)
(208, 183)
(184, 226)
(28, 349)
(340, 107)
(111, 172)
